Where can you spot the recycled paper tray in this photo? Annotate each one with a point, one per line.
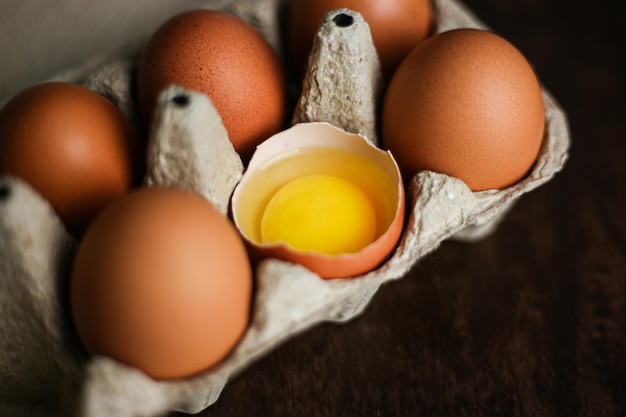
(42, 368)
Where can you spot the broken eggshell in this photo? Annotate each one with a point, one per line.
(312, 149)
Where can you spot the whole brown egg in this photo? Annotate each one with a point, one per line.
(468, 104)
(218, 54)
(397, 26)
(71, 145)
(161, 281)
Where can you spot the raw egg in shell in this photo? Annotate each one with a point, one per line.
(323, 198)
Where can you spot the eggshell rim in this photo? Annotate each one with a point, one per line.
(326, 266)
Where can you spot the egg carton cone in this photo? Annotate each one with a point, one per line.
(43, 369)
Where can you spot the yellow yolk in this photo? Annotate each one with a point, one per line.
(320, 213)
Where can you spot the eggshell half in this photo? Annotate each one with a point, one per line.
(247, 200)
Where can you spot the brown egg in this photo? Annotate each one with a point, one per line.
(222, 56)
(468, 104)
(162, 282)
(397, 26)
(72, 145)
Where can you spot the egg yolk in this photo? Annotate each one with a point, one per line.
(320, 213)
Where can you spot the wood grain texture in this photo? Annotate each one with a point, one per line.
(530, 321)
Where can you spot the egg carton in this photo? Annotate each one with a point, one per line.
(43, 369)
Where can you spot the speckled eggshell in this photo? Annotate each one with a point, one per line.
(218, 54)
(465, 103)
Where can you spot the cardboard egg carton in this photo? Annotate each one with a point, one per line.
(43, 369)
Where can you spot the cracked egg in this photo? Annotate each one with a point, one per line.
(323, 198)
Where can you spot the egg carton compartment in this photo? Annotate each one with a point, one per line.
(43, 369)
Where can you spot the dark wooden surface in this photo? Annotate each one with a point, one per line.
(528, 322)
